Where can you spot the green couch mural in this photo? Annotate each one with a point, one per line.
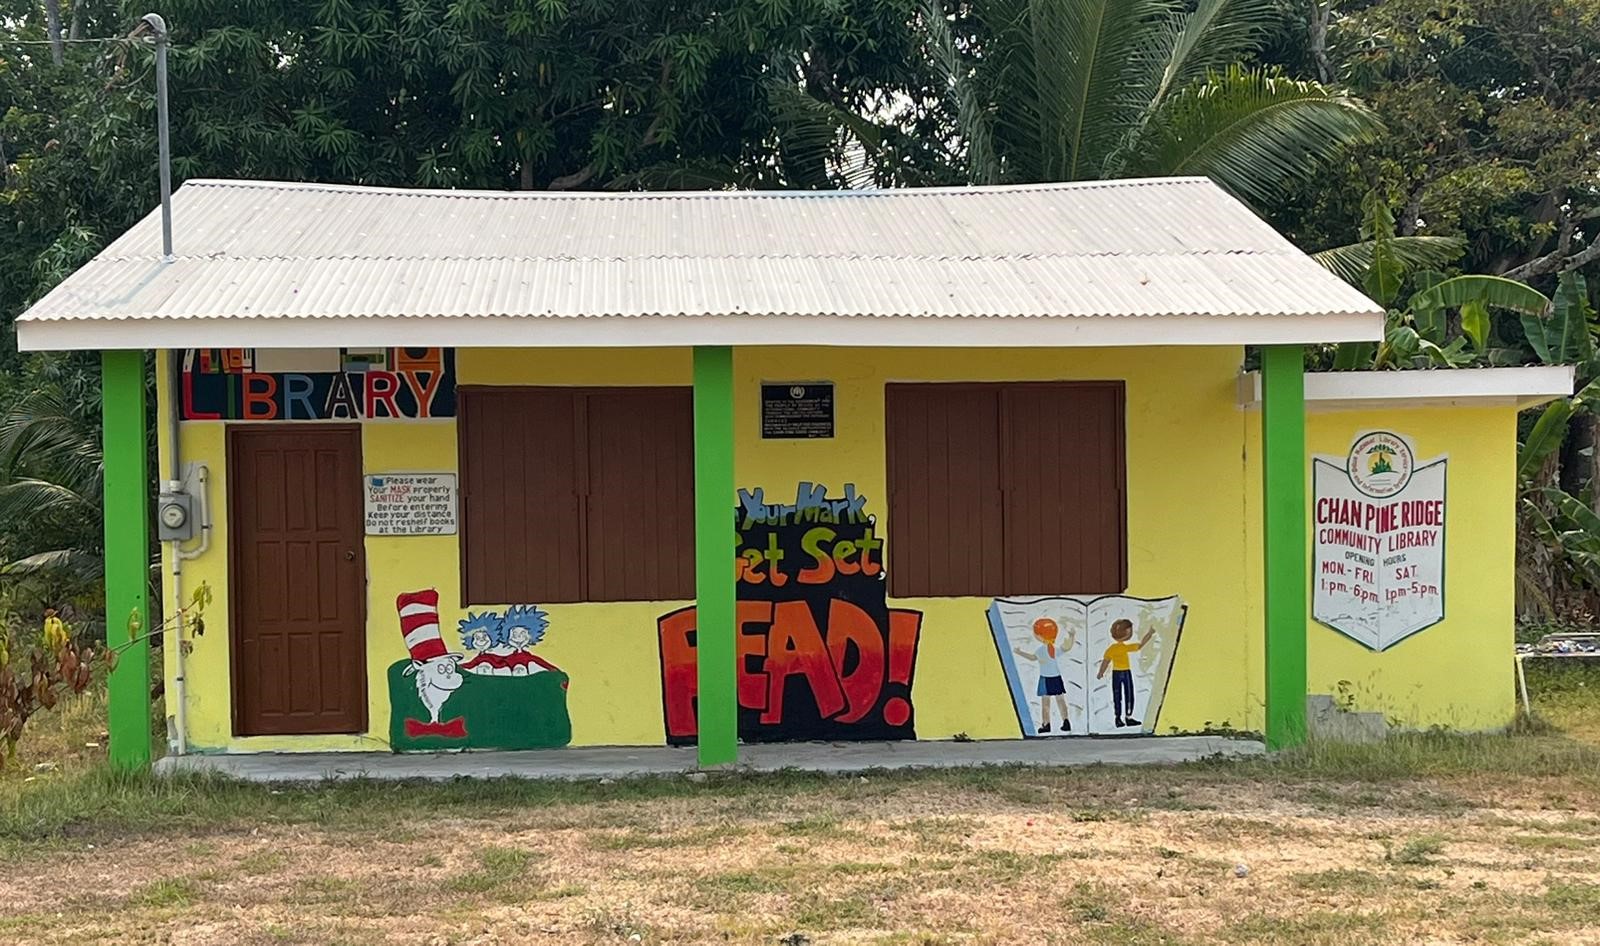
(503, 697)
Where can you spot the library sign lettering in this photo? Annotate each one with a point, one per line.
(1378, 540)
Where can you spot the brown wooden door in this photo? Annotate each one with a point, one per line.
(297, 579)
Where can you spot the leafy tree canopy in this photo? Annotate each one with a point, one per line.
(1492, 116)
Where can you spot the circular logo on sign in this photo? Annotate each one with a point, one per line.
(1380, 464)
(798, 391)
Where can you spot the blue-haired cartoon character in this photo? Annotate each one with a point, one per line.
(480, 632)
(524, 626)
(503, 641)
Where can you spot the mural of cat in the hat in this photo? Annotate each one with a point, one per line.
(504, 697)
(436, 672)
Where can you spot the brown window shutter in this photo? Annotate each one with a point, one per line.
(1005, 489)
(576, 494)
(944, 532)
(640, 511)
(1064, 519)
(521, 496)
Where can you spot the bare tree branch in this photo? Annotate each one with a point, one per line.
(577, 178)
(1412, 211)
(1320, 14)
(652, 134)
(52, 19)
(581, 176)
(1557, 262)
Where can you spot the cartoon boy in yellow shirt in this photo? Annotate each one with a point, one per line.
(1116, 657)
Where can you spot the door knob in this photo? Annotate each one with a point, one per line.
(349, 555)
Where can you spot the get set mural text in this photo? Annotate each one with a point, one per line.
(826, 554)
(821, 655)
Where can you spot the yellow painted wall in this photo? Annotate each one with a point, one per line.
(1186, 495)
(1458, 673)
(609, 650)
(1194, 522)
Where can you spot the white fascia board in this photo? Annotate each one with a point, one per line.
(59, 334)
(1521, 388)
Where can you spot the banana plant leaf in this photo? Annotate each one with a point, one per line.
(1544, 438)
(1576, 511)
(1475, 323)
(1563, 337)
(1496, 291)
(1351, 356)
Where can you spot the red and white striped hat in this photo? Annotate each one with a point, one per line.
(419, 623)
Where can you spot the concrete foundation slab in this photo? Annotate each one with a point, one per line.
(598, 762)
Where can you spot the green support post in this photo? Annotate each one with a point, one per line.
(715, 630)
(1285, 549)
(127, 556)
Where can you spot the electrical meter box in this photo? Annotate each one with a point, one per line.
(175, 517)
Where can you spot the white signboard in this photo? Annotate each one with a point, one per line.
(1378, 540)
(411, 504)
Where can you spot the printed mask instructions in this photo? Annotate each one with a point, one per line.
(411, 504)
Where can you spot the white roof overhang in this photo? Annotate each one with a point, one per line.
(647, 331)
(1520, 388)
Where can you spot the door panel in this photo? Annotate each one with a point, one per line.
(297, 580)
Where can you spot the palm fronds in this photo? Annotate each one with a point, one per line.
(50, 482)
(1253, 132)
(973, 119)
(1064, 90)
(1352, 261)
(1062, 65)
(1191, 45)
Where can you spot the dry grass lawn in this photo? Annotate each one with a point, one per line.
(1424, 840)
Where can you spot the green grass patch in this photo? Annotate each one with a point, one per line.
(1552, 842)
(170, 892)
(1579, 898)
(1431, 754)
(825, 914)
(1309, 926)
(1341, 880)
(815, 826)
(641, 839)
(1566, 696)
(1417, 852)
(747, 882)
(323, 889)
(943, 833)
(499, 870)
(259, 863)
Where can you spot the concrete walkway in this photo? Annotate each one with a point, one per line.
(594, 763)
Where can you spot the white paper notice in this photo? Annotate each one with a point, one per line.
(1378, 519)
(411, 504)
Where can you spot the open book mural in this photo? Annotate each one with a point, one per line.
(1087, 665)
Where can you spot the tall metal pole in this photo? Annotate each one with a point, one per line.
(158, 27)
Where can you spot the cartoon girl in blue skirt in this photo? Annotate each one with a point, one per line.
(1050, 682)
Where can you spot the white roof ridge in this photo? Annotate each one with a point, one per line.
(729, 194)
(156, 257)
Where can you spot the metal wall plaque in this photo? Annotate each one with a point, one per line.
(797, 411)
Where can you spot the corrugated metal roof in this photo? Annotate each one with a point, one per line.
(280, 253)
